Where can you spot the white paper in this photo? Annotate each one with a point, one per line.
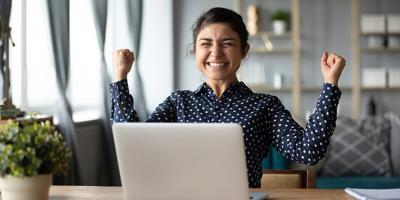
(374, 194)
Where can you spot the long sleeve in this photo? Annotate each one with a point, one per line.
(165, 112)
(308, 145)
(122, 103)
(122, 106)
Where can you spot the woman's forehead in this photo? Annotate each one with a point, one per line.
(217, 30)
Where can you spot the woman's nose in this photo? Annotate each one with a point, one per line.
(216, 50)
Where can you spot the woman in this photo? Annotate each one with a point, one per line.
(220, 44)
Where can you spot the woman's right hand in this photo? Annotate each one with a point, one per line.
(122, 61)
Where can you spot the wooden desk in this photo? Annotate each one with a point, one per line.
(115, 193)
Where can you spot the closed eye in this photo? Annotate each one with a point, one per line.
(227, 44)
(205, 44)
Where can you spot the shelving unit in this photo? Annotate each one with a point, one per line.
(357, 51)
(294, 52)
(267, 46)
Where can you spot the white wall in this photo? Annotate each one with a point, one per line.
(156, 59)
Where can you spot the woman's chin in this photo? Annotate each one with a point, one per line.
(220, 78)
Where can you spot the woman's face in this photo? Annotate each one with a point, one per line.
(218, 52)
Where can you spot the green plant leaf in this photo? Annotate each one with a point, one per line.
(29, 148)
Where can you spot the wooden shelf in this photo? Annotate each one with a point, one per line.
(383, 89)
(267, 88)
(270, 88)
(272, 34)
(319, 88)
(267, 51)
(380, 50)
(379, 34)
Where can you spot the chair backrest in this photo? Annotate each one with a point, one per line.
(288, 179)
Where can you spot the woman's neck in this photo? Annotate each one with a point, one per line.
(220, 86)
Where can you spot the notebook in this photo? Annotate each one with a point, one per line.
(182, 161)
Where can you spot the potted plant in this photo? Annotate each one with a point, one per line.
(30, 153)
(280, 20)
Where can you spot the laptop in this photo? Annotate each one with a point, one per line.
(182, 161)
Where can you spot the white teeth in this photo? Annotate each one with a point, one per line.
(216, 64)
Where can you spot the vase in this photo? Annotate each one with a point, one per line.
(279, 26)
(22, 188)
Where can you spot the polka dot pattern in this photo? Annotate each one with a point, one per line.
(264, 119)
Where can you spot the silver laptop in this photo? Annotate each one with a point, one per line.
(181, 161)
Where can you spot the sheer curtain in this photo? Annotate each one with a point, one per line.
(133, 16)
(134, 13)
(59, 30)
(109, 163)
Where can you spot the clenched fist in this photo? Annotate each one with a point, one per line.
(332, 66)
(122, 61)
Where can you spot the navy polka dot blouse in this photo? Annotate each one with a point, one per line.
(264, 120)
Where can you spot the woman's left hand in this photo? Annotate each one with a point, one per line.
(332, 66)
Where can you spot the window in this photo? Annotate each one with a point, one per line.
(31, 64)
(34, 85)
(85, 79)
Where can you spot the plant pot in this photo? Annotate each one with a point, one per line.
(279, 26)
(22, 188)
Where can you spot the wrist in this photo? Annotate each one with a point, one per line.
(119, 77)
(332, 82)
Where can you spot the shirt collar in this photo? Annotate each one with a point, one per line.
(235, 88)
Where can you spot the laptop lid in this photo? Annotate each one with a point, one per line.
(181, 161)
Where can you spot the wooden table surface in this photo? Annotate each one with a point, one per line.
(115, 193)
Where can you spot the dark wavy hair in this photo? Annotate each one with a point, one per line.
(221, 15)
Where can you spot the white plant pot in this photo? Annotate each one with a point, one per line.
(22, 188)
(279, 26)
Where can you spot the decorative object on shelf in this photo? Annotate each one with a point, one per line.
(7, 109)
(278, 80)
(253, 73)
(253, 19)
(374, 77)
(376, 42)
(371, 110)
(280, 21)
(393, 23)
(30, 153)
(394, 42)
(373, 23)
(394, 77)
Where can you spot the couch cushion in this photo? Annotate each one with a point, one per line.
(359, 148)
(395, 142)
(373, 182)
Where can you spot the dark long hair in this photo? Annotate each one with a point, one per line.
(221, 15)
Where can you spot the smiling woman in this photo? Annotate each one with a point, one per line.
(220, 44)
(218, 55)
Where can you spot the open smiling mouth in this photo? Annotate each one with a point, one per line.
(216, 65)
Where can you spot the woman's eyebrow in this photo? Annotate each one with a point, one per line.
(228, 39)
(206, 39)
(222, 40)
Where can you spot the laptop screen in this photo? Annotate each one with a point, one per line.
(181, 160)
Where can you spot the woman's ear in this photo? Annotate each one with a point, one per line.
(245, 51)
